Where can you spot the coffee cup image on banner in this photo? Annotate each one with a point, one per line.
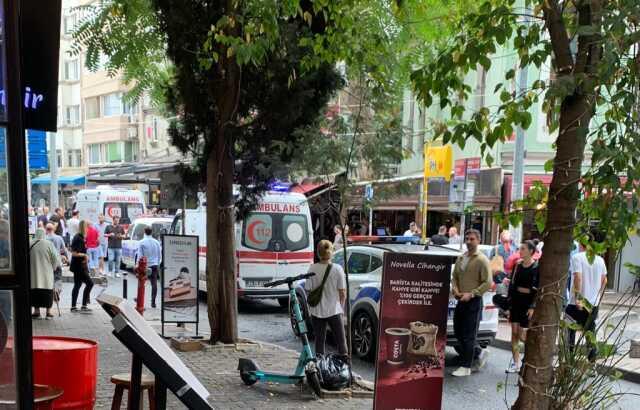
(180, 291)
(414, 352)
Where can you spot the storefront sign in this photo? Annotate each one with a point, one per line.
(180, 279)
(437, 162)
(40, 23)
(473, 166)
(413, 331)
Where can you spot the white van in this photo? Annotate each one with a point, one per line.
(273, 242)
(126, 203)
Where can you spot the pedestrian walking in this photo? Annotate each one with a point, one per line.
(329, 310)
(149, 248)
(471, 279)
(522, 295)
(115, 233)
(92, 241)
(454, 238)
(441, 237)
(73, 225)
(43, 261)
(59, 222)
(58, 243)
(101, 226)
(79, 267)
(589, 281)
(337, 239)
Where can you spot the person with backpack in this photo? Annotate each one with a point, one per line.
(522, 295)
(327, 294)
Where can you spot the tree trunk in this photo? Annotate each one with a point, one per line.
(576, 112)
(213, 262)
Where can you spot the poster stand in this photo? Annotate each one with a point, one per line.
(147, 348)
(184, 249)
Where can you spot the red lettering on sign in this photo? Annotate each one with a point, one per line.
(279, 208)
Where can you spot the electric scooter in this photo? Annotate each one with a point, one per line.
(250, 373)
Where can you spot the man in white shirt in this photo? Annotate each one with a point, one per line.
(73, 226)
(412, 231)
(589, 280)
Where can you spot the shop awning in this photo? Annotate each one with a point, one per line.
(62, 180)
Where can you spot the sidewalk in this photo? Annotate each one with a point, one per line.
(630, 368)
(215, 367)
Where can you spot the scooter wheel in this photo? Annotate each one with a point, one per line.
(248, 378)
(313, 381)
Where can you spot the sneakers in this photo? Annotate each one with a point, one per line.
(85, 309)
(481, 361)
(462, 372)
(513, 368)
(74, 309)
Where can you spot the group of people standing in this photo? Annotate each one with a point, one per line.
(84, 246)
(516, 266)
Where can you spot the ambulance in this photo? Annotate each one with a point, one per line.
(126, 203)
(272, 242)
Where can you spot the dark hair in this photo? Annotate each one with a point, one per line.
(148, 230)
(535, 242)
(473, 232)
(76, 212)
(531, 244)
(57, 209)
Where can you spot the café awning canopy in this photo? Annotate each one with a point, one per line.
(62, 180)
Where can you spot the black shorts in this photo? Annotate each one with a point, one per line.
(520, 303)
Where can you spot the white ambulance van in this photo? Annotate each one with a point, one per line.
(126, 203)
(273, 242)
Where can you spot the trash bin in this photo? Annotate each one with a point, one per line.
(70, 364)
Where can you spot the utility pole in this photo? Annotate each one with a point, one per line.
(53, 166)
(517, 187)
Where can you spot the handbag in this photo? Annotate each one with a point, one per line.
(315, 296)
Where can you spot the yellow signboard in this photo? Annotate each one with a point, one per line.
(438, 162)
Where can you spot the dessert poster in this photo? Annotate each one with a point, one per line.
(413, 331)
(180, 279)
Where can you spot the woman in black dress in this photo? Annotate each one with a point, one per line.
(522, 295)
(80, 269)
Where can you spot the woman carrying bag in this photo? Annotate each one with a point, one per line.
(327, 292)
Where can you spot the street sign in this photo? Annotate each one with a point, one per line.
(412, 333)
(368, 192)
(473, 166)
(437, 162)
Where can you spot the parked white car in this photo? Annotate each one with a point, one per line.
(159, 225)
(365, 276)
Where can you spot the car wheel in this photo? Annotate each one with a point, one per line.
(364, 329)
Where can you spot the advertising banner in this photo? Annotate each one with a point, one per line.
(180, 279)
(413, 331)
(437, 162)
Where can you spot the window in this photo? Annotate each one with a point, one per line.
(130, 151)
(69, 23)
(294, 229)
(375, 263)
(95, 154)
(91, 108)
(59, 158)
(70, 158)
(258, 231)
(112, 104)
(160, 228)
(72, 115)
(359, 263)
(338, 258)
(78, 155)
(114, 152)
(138, 232)
(71, 70)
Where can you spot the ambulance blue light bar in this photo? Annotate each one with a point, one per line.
(280, 186)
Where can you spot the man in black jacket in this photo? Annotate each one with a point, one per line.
(441, 238)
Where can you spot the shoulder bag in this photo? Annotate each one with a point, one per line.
(315, 296)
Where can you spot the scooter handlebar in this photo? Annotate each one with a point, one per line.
(289, 279)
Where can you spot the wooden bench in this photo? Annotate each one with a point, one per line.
(123, 382)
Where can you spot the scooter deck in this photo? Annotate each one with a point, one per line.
(278, 377)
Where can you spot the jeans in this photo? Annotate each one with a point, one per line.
(94, 257)
(320, 332)
(115, 254)
(588, 324)
(78, 280)
(153, 278)
(466, 321)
